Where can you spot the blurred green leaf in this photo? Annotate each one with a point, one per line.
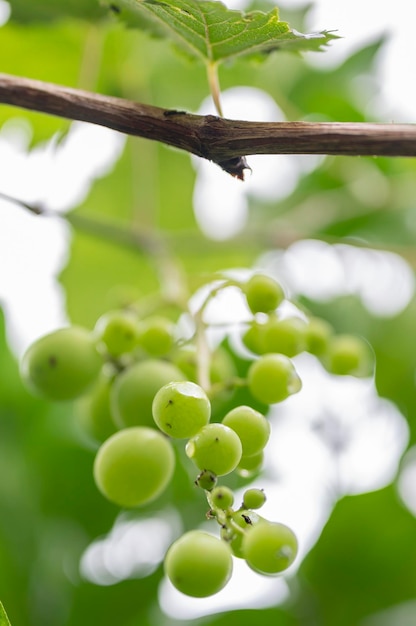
(363, 560)
(50, 10)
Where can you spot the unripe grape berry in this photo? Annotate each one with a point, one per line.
(263, 293)
(349, 355)
(318, 333)
(134, 466)
(155, 335)
(251, 426)
(269, 547)
(181, 409)
(94, 412)
(250, 465)
(117, 330)
(254, 498)
(185, 358)
(216, 448)
(222, 497)
(206, 480)
(254, 338)
(134, 389)
(198, 564)
(246, 520)
(62, 365)
(273, 378)
(285, 336)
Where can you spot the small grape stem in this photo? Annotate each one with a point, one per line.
(224, 517)
(203, 351)
(214, 85)
(219, 514)
(226, 282)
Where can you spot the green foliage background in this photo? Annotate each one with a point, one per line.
(50, 510)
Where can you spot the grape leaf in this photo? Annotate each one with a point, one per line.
(209, 31)
(4, 620)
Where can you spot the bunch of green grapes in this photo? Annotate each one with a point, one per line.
(142, 390)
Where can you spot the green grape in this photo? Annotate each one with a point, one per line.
(134, 389)
(222, 497)
(185, 358)
(269, 547)
(285, 336)
(222, 374)
(318, 334)
(93, 410)
(181, 409)
(254, 498)
(155, 335)
(250, 465)
(206, 480)
(198, 564)
(62, 365)
(246, 520)
(118, 332)
(273, 378)
(349, 355)
(216, 448)
(251, 426)
(254, 338)
(134, 466)
(263, 293)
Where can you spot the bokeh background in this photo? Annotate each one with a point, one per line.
(339, 233)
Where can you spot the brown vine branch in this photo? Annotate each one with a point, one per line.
(217, 139)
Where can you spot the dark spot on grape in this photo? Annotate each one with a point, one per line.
(246, 519)
(114, 8)
(216, 438)
(53, 361)
(168, 425)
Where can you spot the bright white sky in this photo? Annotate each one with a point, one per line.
(33, 251)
